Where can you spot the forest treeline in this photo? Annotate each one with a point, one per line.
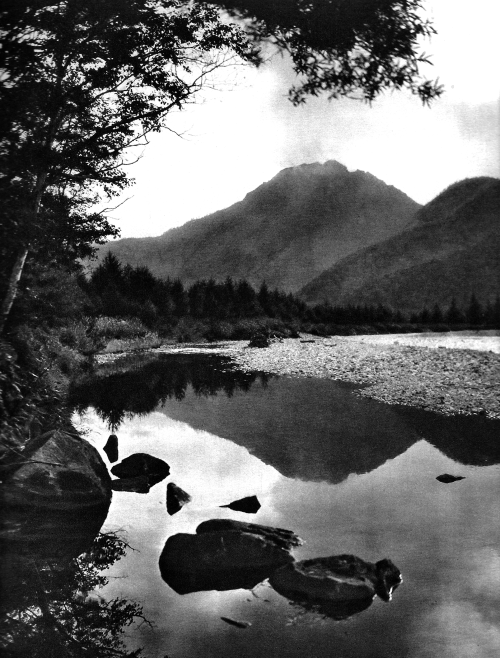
(230, 309)
(62, 317)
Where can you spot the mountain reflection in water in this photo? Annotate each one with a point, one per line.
(318, 432)
(347, 474)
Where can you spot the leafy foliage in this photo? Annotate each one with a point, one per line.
(235, 310)
(51, 609)
(84, 81)
(345, 48)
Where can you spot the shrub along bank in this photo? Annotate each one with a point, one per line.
(62, 318)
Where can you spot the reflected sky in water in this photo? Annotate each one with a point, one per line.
(445, 539)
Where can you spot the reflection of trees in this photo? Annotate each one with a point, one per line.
(48, 609)
(142, 387)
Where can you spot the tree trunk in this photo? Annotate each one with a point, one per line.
(12, 285)
(18, 267)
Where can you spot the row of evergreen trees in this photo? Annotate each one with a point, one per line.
(117, 290)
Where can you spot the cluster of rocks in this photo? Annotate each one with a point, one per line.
(225, 554)
(448, 381)
(139, 472)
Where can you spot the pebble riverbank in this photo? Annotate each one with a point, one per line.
(438, 378)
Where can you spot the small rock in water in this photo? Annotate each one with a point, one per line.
(447, 478)
(235, 622)
(139, 484)
(250, 505)
(280, 537)
(140, 463)
(176, 498)
(111, 448)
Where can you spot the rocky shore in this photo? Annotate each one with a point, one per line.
(449, 374)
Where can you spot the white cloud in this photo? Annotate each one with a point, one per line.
(241, 137)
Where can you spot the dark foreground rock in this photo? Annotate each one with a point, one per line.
(250, 505)
(219, 561)
(283, 538)
(176, 498)
(111, 448)
(64, 472)
(55, 501)
(446, 478)
(141, 463)
(337, 586)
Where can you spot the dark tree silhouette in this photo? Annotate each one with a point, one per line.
(83, 81)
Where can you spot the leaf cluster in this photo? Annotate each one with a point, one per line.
(85, 80)
(356, 48)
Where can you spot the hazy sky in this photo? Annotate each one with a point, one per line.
(245, 133)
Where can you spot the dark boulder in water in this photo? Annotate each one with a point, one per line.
(446, 478)
(176, 498)
(284, 538)
(141, 463)
(59, 470)
(336, 586)
(219, 561)
(54, 501)
(250, 505)
(111, 448)
(138, 484)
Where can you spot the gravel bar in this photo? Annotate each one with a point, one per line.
(438, 378)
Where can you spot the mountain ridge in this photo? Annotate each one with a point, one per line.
(451, 250)
(286, 231)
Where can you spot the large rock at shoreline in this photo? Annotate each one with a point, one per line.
(337, 579)
(219, 560)
(141, 463)
(63, 472)
(55, 503)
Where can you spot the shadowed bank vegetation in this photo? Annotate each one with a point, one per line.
(235, 310)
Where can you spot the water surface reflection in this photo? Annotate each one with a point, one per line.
(349, 476)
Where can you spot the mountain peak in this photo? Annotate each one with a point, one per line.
(329, 168)
(286, 231)
(450, 251)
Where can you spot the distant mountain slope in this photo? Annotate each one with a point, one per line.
(286, 231)
(453, 250)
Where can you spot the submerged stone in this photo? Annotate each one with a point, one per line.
(111, 448)
(176, 498)
(446, 478)
(280, 537)
(236, 622)
(219, 561)
(337, 586)
(141, 463)
(249, 505)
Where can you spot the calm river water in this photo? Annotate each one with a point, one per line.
(347, 474)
